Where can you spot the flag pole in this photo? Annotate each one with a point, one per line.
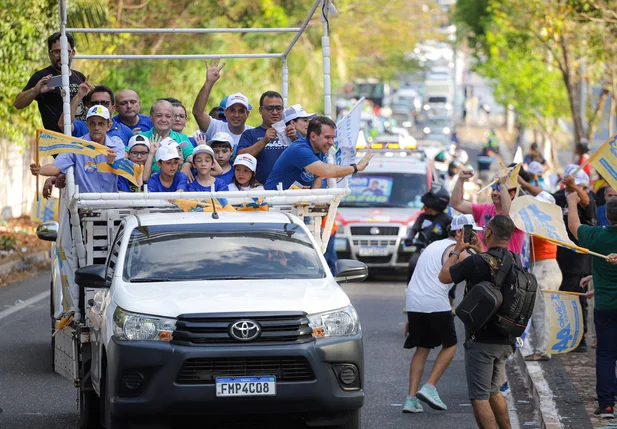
(565, 293)
(572, 247)
(487, 186)
(37, 160)
(595, 154)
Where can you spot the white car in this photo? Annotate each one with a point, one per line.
(385, 201)
(200, 317)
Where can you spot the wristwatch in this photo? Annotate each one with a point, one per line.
(454, 252)
(355, 168)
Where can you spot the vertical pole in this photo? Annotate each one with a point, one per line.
(64, 49)
(285, 88)
(327, 87)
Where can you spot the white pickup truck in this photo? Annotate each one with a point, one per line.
(184, 316)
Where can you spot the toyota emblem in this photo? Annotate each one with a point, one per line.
(374, 231)
(244, 330)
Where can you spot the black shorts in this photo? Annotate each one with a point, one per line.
(430, 330)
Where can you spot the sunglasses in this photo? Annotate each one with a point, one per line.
(100, 103)
(273, 108)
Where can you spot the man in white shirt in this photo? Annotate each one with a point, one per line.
(430, 319)
(237, 109)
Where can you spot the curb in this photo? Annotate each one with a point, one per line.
(21, 264)
(542, 394)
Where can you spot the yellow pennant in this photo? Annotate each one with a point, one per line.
(53, 143)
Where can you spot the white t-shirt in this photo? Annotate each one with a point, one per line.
(425, 293)
(217, 126)
(233, 187)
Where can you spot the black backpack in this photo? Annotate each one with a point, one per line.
(518, 292)
(506, 302)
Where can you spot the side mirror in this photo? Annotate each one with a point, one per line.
(47, 231)
(350, 270)
(92, 276)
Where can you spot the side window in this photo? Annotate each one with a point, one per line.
(113, 254)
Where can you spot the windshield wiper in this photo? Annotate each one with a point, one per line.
(151, 279)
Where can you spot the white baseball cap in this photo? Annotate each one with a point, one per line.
(535, 168)
(137, 140)
(546, 197)
(98, 111)
(165, 153)
(203, 148)
(460, 221)
(581, 178)
(297, 111)
(237, 98)
(169, 141)
(247, 160)
(222, 137)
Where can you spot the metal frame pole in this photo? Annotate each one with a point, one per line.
(285, 88)
(64, 50)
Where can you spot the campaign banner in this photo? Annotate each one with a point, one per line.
(44, 210)
(539, 218)
(604, 160)
(125, 168)
(53, 143)
(565, 321)
(347, 132)
(204, 206)
(258, 204)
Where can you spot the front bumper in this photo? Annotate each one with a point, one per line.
(161, 395)
(349, 246)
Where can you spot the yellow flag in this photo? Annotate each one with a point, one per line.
(44, 210)
(221, 204)
(604, 160)
(511, 174)
(125, 168)
(565, 321)
(53, 143)
(539, 218)
(258, 204)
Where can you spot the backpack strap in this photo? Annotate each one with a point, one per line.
(506, 266)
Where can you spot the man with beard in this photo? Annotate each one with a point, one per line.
(50, 99)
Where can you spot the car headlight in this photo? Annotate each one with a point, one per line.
(426, 130)
(335, 323)
(132, 326)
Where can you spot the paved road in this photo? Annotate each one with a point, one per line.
(32, 397)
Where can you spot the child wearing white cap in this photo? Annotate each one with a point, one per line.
(170, 178)
(203, 162)
(137, 150)
(222, 145)
(244, 174)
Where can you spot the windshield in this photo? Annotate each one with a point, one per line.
(220, 252)
(386, 190)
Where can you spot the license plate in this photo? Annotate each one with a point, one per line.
(246, 386)
(373, 251)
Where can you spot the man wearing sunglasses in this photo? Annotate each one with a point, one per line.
(262, 142)
(49, 98)
(100, 95)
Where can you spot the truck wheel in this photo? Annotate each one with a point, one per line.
(353, 421)
(89, 409)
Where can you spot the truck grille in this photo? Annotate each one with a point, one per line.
(374, 242)
(366, 230)
(204, 330)
(206, 370)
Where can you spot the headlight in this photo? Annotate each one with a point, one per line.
(446, 130)
(426, 130)
(132, 326)
(335, 323)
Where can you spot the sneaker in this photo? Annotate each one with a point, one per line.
(431, 397)
(412, 405)
(605, 412)
(505, 389)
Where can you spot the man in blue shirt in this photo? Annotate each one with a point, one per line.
(99, 96)
(85, 168)
(262, 142)
(303, 161)
(128, 105)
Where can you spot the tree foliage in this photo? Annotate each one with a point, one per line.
(367, 39)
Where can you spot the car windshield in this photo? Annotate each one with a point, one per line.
(229, 251)
(386, 190)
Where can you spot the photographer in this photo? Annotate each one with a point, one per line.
(487, 350)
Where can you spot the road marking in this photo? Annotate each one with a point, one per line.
(548, 407)
(33, 300)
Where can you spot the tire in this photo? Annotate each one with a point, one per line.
(353, 421)
(89, 409)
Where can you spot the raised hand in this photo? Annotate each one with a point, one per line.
(365, 160)
(84, 88)
(213, 71)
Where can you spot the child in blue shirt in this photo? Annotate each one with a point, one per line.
(169, 179)
(223, 146)
(203, 162)
(138, 149)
